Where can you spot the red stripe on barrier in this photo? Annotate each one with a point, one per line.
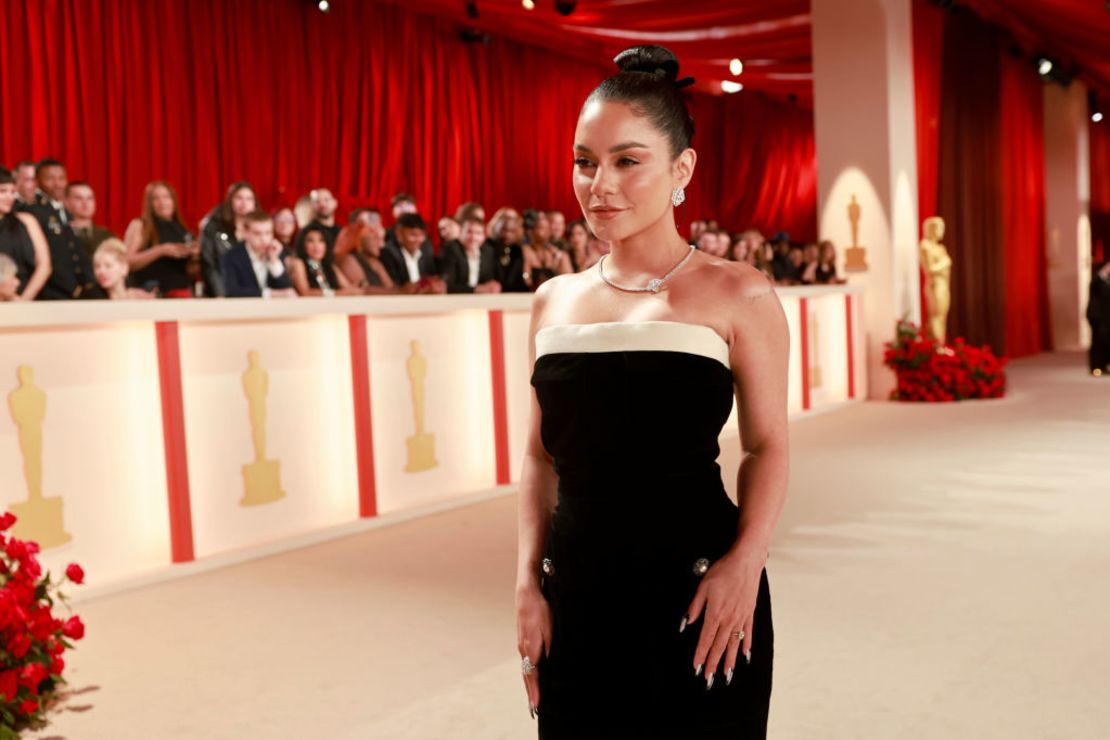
(803, 307)
(173, 438)
(500, 397)
(364, 428)
(851, 347)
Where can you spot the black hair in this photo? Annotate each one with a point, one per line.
(648, 82)
(412, 221)
(530, 218)
(6, 177)
(48, 162)
(302, 240)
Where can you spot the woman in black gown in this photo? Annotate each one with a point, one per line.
(642, 602)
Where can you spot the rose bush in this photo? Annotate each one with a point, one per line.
(932, 372)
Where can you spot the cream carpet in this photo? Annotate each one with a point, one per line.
(939, 572)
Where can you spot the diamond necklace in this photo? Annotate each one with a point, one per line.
(654, 285)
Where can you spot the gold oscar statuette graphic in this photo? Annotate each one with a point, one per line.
(814, 351)
(261, 478)
(38, 518)
(855, 256)
(421, 446)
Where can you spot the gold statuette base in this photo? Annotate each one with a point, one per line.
(40, 520)
(422, 452)
(855, 259)
(262, 483)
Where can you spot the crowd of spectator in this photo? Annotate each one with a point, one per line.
(51, 247)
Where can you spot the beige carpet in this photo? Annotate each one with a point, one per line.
(940, 572)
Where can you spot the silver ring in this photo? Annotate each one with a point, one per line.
(738, 634)
(526, 666)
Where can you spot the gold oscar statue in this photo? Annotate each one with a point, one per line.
(938, 274)
(261, 478)
(815, 352)
(421, 445)
(38, 518)
(855, 256)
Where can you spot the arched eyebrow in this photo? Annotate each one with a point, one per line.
(613, 150)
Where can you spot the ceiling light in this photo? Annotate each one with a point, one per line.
(1097, 116)
(1044, 66)
(324, 6)
(731, 87)
(735, 67)
(528, 4)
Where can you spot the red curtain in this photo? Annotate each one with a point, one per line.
(928, 50)
(1023, 202)
(1100, 184)
(368, 100)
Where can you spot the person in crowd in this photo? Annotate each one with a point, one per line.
(285, 230)
(253, 268)
(9, 279)
(578, 236)
(558, 224)
(468, 265)
(781, 264)
(737, 248)
(410, 259)
(448, 231)
(1098, 314)
(795, 263)
(111, 265)
(302, 209)
(159, 246)
(765, 259)
(71, 274)
(505, 236)
(363, 266)
(826, 265)
(26, 185)
(470, 210)
(324, 206)
(542, 259)
(749, 246)
(711, 242)
(80, 201)
(807, 270)
(696, 229)
(22, 242)
(595, 250)
(350, 236)
(222, 230)
(313, 271)
(401, 203)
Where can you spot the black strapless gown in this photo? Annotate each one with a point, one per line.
(631, 416)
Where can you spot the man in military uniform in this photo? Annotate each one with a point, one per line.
(73, 273)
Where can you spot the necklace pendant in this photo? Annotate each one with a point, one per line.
(654, 285)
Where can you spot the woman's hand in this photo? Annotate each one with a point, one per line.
(727, 595)
(533, 636)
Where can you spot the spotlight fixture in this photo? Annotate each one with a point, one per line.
(1097, 116)
(528, 4)
(736, 67)
(1094, 107)
(323, 6)
(565, 7)
(471, 9)
(1052, 70)
(1044, 66)
(731, 87)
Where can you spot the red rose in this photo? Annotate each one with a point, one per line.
(9, 684)
(73, 628)
(41, 625)
(19, 644)
(57, 665)
(7, 521)
(17, 549)
(29, 706)
(75, 573)
(31, 675)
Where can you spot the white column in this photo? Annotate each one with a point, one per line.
(864, 119)
(1067, 213)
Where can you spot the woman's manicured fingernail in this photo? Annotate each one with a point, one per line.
(682, 626)
(532, 710)
(697, 671)
(748, 657)
(709, 682)
(728, 677)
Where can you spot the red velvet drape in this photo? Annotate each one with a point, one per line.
(1023, 209)
(368, 100)
(928, 49)
(1100, 185)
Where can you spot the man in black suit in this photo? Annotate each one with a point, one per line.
(409, 259)
(324, 206)
(253, 269)
(1098, 313)
(468, 265)
(72, 275)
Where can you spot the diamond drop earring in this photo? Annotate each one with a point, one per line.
(678, 196)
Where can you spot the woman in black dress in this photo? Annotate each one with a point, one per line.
(642, 602)
(159, 247)
(22, 240)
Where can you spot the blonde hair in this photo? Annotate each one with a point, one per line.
(114, 247)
